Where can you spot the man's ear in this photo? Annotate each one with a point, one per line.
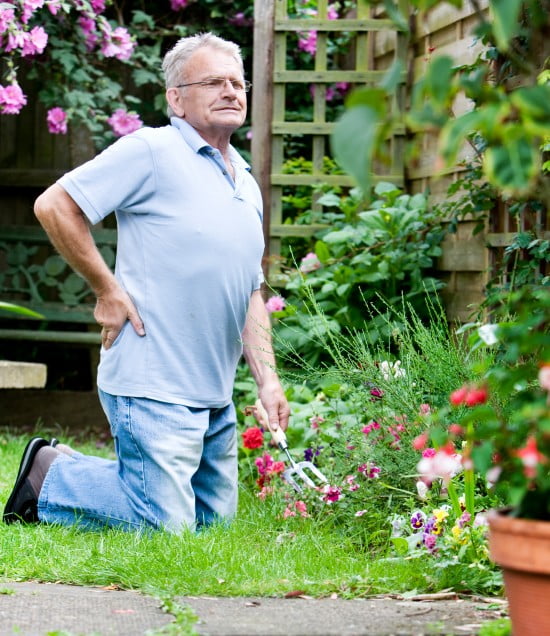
(173, 97)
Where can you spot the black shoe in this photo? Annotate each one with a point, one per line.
(22, 503)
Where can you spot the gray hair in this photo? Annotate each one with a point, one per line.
(178, 56)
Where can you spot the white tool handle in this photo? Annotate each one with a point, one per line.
(278, 434)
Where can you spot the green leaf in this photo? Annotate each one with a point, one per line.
(438, 80)
(374, 98)
(17, 309)
(54, 265)
(393, 76)
(140, 17)
(455, 132)
(322, 251)
(533, 101)
(512, 166)
(401, 545)
(354, 142)
(396, 15)
(505, 22)
(73, 284)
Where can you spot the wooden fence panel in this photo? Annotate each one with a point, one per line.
(273, 133)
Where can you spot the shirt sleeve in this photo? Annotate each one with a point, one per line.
(120, 178)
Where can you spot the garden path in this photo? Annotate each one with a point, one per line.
(37, 609)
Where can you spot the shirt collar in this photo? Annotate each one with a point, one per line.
(197, 143)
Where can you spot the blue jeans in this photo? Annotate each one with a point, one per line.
(176, 468)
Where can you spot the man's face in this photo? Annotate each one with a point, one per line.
(211, 110)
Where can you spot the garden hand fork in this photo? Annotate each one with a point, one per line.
(296, 469)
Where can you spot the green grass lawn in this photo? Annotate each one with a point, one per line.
(258, 554)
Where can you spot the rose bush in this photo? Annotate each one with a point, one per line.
(96, 63)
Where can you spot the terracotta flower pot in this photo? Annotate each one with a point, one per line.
(521, 547)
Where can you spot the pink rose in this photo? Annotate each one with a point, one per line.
(29, 7)
(123, 122)
(7, 17)
(309, 263)
(35, 41)
(544, 377)
(275, 303)
(12, 99)
(57, 121)
(177, 5)
(117, 43)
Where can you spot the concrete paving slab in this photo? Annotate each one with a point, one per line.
(42, 609)
(38, 609)
(338, 617)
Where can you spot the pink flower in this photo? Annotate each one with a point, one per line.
(88, 26)
(98, 6)
(352, 486)
(444, 464)
(29, 7)
(7, 17)
(308, 43)
(249, 134)
(531, 458)
(331, 493)
(264, 464)
(430, 541)
(117, 43)
(176, 5)
(275, 303)
(35, 41)
(123, 122)
(429, 452)
(371, 426)
(425, 409)
(16, 40)
(53, 6)
(332, 13)
(57, 121)
(315, 421)
(370, 471)
(309, 263)
(419, 442)
(239, 19)
(12, 99)
(360, 513)
(342, 87)
(288, 512)
(544, 376)
(300, 506)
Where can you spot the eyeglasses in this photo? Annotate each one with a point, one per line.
(217, 83)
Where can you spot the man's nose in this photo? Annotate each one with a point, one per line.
(228, 87)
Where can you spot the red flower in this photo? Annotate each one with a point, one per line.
(456, 429)
(476, 396)
(468, 395)
(457, 397)
(253, 437)
(419, 443)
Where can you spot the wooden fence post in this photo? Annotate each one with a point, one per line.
(262, 108)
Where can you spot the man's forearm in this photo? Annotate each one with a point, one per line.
(257, 342)
(70, 234)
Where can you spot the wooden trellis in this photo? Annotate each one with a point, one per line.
(272, 133)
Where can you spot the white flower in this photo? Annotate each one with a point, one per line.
(391, 370)
(488, 333)
(421, 489)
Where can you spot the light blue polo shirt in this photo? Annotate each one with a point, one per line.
(190, 244)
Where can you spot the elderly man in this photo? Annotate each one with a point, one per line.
(183, 305)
